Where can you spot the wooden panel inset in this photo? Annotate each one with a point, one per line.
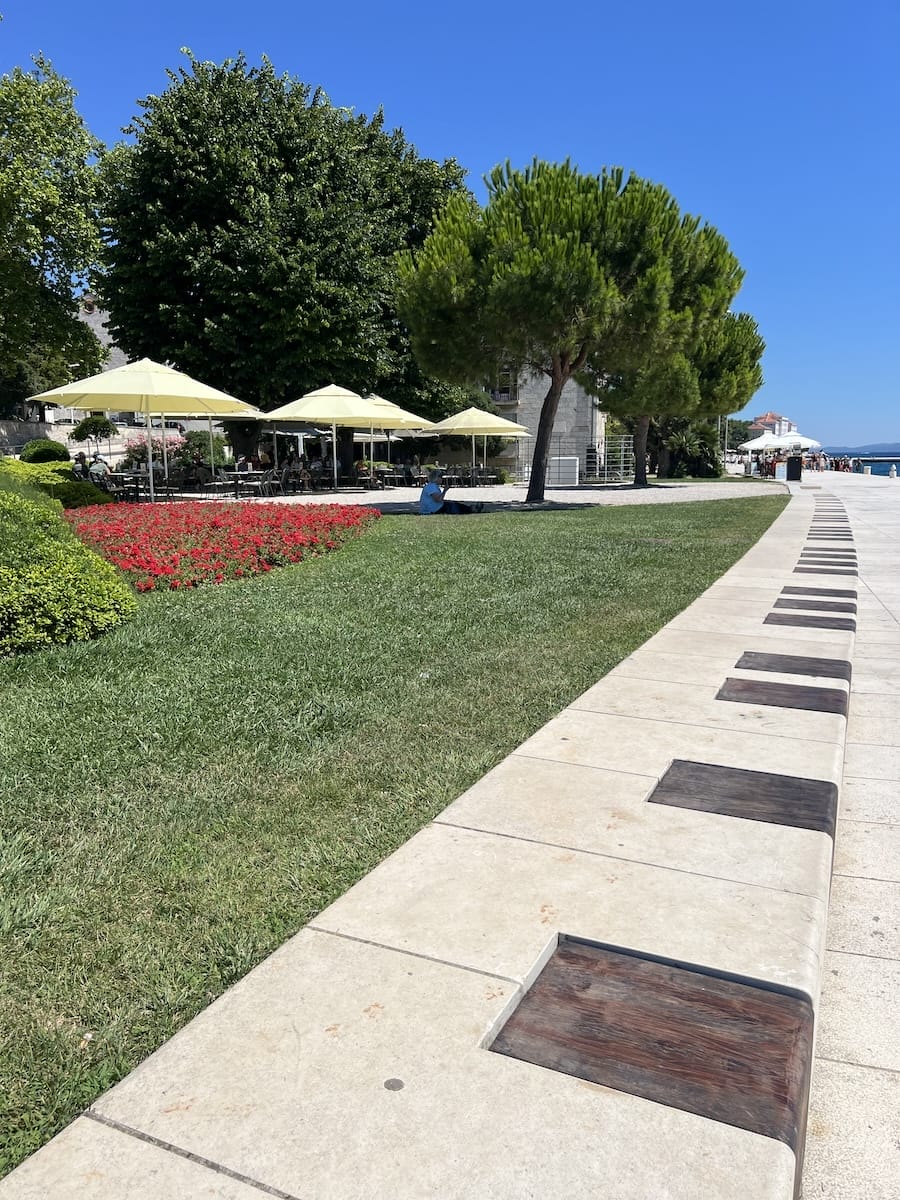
(820, 591)
(752, 795)
(823, 571)
(732, 1051)
(795, 664)
(845, 606)
(813, 560)
(784, 695)
(810, 621)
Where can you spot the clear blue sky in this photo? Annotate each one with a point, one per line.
(777, 122)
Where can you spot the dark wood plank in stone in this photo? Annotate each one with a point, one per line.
(823, 571)
(751, 795)
(726, 1049)
(784, 695)
(795, 664)
(810, 621)
(809, 560)
(820, 591)
(845, 606)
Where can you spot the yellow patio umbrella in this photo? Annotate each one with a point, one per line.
(394, 417)
(330, 405)
(478, 423)
(153, 389)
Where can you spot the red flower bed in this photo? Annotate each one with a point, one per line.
(162, 546)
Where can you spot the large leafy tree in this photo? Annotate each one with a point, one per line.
(720, 376)
(251, 229)
(680, 353)
(49, 236)
(560, 274)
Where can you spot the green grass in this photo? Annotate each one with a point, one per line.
(183, 794)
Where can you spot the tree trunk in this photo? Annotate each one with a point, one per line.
(535, 493)
(641, 429)
(663, 462)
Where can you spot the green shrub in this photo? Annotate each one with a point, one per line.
(76, 493)
(53, 589)
(41, 450)
(32, 479)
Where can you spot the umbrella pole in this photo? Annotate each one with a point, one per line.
(149, 430)
(473, 458)
(334, 453)
(162, 421)
(275, 447)
(212, 456)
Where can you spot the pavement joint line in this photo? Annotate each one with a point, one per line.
(866, 879)
(641, 862)
(848, 1062)
(891, 958)
(603, 712)
(588, 766)
(443, 962)
(171, 1148)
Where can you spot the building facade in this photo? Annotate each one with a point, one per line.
(578, 431)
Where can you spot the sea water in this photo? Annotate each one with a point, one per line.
(884, 468)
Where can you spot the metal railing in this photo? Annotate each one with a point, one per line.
(609, 461)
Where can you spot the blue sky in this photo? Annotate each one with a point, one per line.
(777, 122)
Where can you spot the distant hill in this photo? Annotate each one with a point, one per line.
(877, 448)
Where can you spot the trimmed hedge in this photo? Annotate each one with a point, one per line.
(44, 450)
(55, 478)
(77, 493)
(53, 590)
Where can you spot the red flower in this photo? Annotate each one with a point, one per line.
(181, 545)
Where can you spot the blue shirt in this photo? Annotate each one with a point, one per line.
(431, 499)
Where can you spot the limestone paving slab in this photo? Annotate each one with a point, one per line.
(492, 903)
(708, 671)
(698, 705)
(858, 1016)
(875, 675)
(873, 800)
(605, 812)
(868, 849)
(715, 643)
(749, 626)
(872, 762)
(864, 917)
(870, 730)
(868, 652)
(852, 1149)
(356, 1072)
(648, 746)
(90, 1161)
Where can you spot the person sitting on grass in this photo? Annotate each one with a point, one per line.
(432, 499)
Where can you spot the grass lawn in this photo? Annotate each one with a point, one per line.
(182, 795)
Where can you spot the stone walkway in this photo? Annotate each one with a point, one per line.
(853, 1147)
(355, 1061)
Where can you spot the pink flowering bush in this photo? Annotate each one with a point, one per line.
(163, 546)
